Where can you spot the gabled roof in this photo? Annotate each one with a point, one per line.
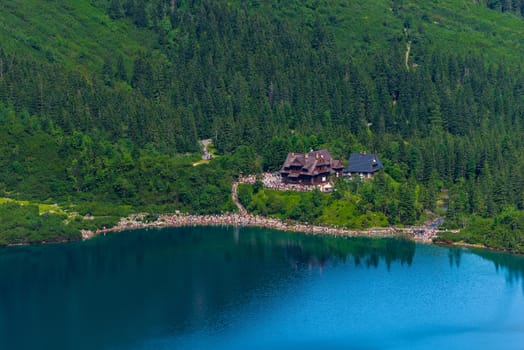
(310, 163)
(337, 165)
(364, 163)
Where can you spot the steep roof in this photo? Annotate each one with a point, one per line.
(364, 163)
(310, 163)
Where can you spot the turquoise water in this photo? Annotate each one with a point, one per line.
(225, 288)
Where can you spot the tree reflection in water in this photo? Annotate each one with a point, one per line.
(158, 279)
(510, 264)
(365, 251)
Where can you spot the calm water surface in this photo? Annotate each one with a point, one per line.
(225, 288)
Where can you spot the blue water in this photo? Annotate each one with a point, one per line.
(225, 288)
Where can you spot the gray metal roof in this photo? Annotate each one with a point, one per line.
(363, 163)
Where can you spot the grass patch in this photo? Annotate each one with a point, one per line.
(75, 33)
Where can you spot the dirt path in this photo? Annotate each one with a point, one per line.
(204, 144)
(234, 196)
(424, 233)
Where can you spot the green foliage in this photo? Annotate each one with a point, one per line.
(245, 194)
(21, 224)
(511, 6)
(182, 90)
(67, 32)
(104, 101)
(92, 171)
(362, 208)
(504, 231)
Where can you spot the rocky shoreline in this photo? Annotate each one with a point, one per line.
(424, 233)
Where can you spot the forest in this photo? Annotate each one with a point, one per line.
(436, 89)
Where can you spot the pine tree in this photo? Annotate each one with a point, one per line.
(120, 72)
(116, 9)
(140, 15)
(407, 204)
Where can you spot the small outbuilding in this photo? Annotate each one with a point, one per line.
(363, 165)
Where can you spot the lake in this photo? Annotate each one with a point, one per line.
(248, 288)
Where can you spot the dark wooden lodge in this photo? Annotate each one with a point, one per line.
(313, 168)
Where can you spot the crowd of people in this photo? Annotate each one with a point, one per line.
(273, 181)
(249, 220)
(424, 233)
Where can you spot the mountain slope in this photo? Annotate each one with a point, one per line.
(117, 91)
(77, 34)
(364, 26)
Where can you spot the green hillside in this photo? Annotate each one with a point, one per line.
(104, 102)
(361, 26)
(82, 33)
(77, 34)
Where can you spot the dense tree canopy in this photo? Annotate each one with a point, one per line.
(262, 79)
